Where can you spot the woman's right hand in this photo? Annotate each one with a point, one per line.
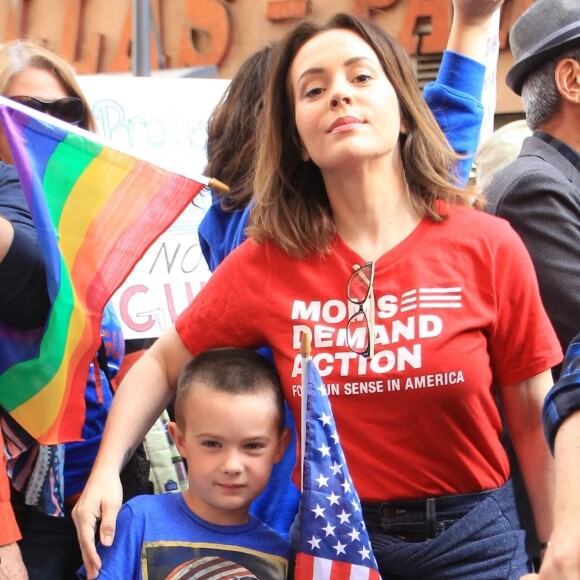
(100, 501)
(475, 12)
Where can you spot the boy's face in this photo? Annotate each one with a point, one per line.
(230, 443)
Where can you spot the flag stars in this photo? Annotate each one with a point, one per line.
(336, 468)
(322, 481)
(318, 511)
(340, 548)
(336, 531)
(333, 498)
(344, 517)
(315, 543)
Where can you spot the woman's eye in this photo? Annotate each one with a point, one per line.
(363, 78)
(313, 92)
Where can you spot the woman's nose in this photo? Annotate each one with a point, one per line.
(340, 98)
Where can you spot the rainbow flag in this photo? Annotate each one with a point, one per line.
(96, 211)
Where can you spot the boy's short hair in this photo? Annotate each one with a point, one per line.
(235, 371)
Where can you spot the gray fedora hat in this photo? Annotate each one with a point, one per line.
(547, 28)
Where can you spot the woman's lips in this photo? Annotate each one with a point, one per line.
(343, 123)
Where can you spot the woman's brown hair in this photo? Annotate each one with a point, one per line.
(291, 204)
(231, 131)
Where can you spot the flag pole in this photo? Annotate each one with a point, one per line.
(305, 350)
(214, 183)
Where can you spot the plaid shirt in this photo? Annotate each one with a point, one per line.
(564, 397)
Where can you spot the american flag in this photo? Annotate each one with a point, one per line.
(334, 543)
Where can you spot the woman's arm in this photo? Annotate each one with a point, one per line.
(455, 98)
(24, 301)
(11, 564)
(141, 397)
(522, 405)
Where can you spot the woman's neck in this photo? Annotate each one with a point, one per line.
(372, 211)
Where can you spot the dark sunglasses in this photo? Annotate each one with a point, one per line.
(70, 109)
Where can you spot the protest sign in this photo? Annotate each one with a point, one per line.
(162, 120)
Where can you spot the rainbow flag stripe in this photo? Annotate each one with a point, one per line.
(96, 211)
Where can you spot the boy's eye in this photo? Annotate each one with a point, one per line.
(254, 446)
(210, 444)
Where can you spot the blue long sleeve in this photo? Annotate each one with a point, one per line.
(455, 101)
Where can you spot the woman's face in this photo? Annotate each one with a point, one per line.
(346, 109)
(32, 82)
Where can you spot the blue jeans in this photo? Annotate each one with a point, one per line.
(467, 536)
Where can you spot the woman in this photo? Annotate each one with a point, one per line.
(420, 308)
(454, 99)
(37, 78)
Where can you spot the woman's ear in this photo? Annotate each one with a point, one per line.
(304, 154)
(404, 128)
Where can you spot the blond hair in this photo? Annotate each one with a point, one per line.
(20, 55)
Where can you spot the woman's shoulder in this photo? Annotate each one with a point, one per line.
(10, 190)
(267, 253)
(481, 222)
(471, 227)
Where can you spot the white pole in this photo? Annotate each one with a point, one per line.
(305, 349)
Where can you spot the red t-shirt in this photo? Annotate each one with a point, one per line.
(457, 309)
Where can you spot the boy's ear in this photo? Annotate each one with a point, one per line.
(282, 445)
(177, 436)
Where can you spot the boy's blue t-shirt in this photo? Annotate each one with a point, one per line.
(158, 536)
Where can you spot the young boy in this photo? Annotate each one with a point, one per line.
(229, 428)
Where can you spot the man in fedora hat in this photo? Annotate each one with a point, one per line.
(539, 194)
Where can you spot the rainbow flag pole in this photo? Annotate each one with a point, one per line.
(96, 210)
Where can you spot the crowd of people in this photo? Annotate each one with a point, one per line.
(350, 216)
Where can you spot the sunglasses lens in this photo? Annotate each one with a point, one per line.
(357, 333)
(359, 284)
(30, 102)
(70, 110)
